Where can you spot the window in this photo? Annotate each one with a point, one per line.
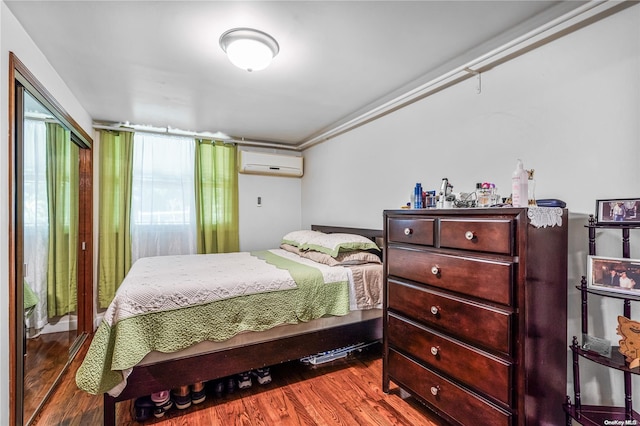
(36, 210)
(163, 215)
(36, 216)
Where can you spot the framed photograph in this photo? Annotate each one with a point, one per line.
(618, 211)
(617, 275)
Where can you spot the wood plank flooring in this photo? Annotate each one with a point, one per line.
(344, 392)
(47, 355)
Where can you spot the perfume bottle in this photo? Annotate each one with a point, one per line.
(485, 194)
(531, 188)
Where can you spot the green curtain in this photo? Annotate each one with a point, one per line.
(62, 198)
(216, 181)
(114, 235)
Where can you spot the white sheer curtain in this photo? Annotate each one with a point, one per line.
(163, 213)
(36, 217)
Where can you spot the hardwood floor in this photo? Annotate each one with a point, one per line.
(343, 392)
(47, 355)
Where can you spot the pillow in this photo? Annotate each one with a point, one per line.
(332, 244)
(298, 238)
(290, 248)
(344, 258)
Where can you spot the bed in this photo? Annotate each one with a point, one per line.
(224, 346)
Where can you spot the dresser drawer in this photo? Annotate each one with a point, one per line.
(415, 231)
(481, 371)
(486, 279)
(489, 235)
(444, 395)
(488, 327)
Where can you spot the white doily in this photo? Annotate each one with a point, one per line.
(541, 217)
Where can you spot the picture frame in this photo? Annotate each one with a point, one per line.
(618, 211)
(613, 274)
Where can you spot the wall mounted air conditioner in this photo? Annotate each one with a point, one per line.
(260, 163)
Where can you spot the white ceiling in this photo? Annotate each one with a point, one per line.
(159, 63)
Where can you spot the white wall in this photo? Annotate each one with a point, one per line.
(13, 38)
(570, 110)
(262, 227)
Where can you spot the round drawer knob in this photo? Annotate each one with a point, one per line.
(408, 231)
(469, 235)
(435, 270)
(435, 390)
(434, 350)
(434, 310)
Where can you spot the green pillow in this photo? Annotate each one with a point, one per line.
(333, 244)
(299, 238)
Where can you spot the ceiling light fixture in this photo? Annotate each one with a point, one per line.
(249, 49)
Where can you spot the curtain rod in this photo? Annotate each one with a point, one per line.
(42, 117)
(197, 135)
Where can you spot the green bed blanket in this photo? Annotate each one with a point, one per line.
(118, 347)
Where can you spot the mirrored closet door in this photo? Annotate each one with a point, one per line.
(52, 238)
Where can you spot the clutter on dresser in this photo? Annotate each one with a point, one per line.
(417, 196)
(519, 190)
(485, 194)
(551, 202)
(531, 188)
(445, 196)
(465, 200)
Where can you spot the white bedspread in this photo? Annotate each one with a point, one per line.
(165, 283)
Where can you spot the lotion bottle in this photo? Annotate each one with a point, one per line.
(417, 196)
(519, 190)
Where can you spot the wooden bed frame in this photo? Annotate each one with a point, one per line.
(170, 374)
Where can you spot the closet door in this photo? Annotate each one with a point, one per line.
(50, 183)
(51, 275)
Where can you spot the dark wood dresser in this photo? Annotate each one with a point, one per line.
(475, 321)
